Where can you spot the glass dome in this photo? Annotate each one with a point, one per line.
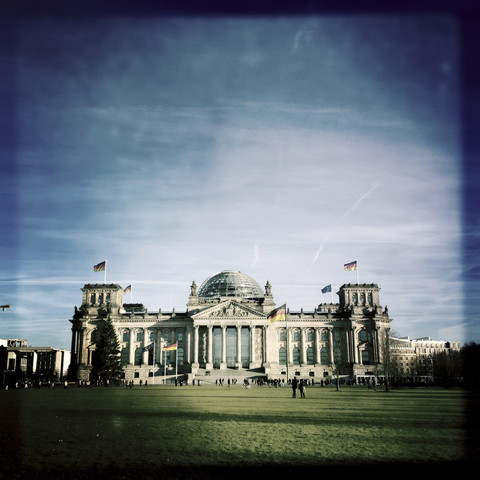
(230, 284)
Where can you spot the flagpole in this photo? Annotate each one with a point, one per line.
(356, 261)
(131, 288)
(153, 371)
(164, 367)
(176, 362)
(105, 273)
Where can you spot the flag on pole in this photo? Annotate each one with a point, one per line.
(128, 289)
(278, 315)
(148, 348)
(326, 289)
(100, 267)
(168, 348)
(350, 266)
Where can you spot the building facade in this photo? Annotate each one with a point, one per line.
(226, 327)
(21, 363)
(413, 356)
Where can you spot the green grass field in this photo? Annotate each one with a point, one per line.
(209, 431)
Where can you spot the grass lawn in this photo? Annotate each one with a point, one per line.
(221, 432)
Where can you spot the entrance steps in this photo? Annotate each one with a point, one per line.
(211, 377)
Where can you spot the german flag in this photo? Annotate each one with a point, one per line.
(168, 348)
(99, 267)
(278, 315)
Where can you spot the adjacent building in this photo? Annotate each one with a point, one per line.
(414, 356)
(21, 363)
(226, 327)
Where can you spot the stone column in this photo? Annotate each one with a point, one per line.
(330, 346)
(73, 352)
(144, 343)
(224, 347)
(195, 345)
(209, 347)
(131, 352)
(189, 346)
(252, 344)
(376, 345)
(80, 346)
(302, 346)
(239, 345)
(317, 346)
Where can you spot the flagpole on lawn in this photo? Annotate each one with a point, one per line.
(164, 367)
(153, 371)
(176, 363)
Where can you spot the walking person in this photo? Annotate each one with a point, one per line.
(294, 387)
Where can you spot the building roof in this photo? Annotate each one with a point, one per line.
(230, 284)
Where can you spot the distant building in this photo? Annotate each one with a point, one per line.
(19, 362)
(225, 328)
(412, 355)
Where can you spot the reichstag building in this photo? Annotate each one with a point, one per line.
(226, 328)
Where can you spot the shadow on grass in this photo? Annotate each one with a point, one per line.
(237, 473)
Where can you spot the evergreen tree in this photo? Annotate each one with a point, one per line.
(106, 361)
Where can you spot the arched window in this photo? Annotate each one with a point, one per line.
(310, 358)
(337, 355)
(180, 356)
(310, 335)
(296, 335)
(124, 357)
(296, 356)
(138, 356)
(283, 336)
(365, 357)
(323, 356)
(282, 356)
(364, 336)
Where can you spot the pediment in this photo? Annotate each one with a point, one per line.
(228, 309)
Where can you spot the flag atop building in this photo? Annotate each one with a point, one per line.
(168, 348)
(100, 267)
(326, 289)
(350, 266)
(128, 289)
(278, 315)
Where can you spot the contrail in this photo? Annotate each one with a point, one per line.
(359, 201)
(345, 215)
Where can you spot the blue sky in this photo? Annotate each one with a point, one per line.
(280, 146)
